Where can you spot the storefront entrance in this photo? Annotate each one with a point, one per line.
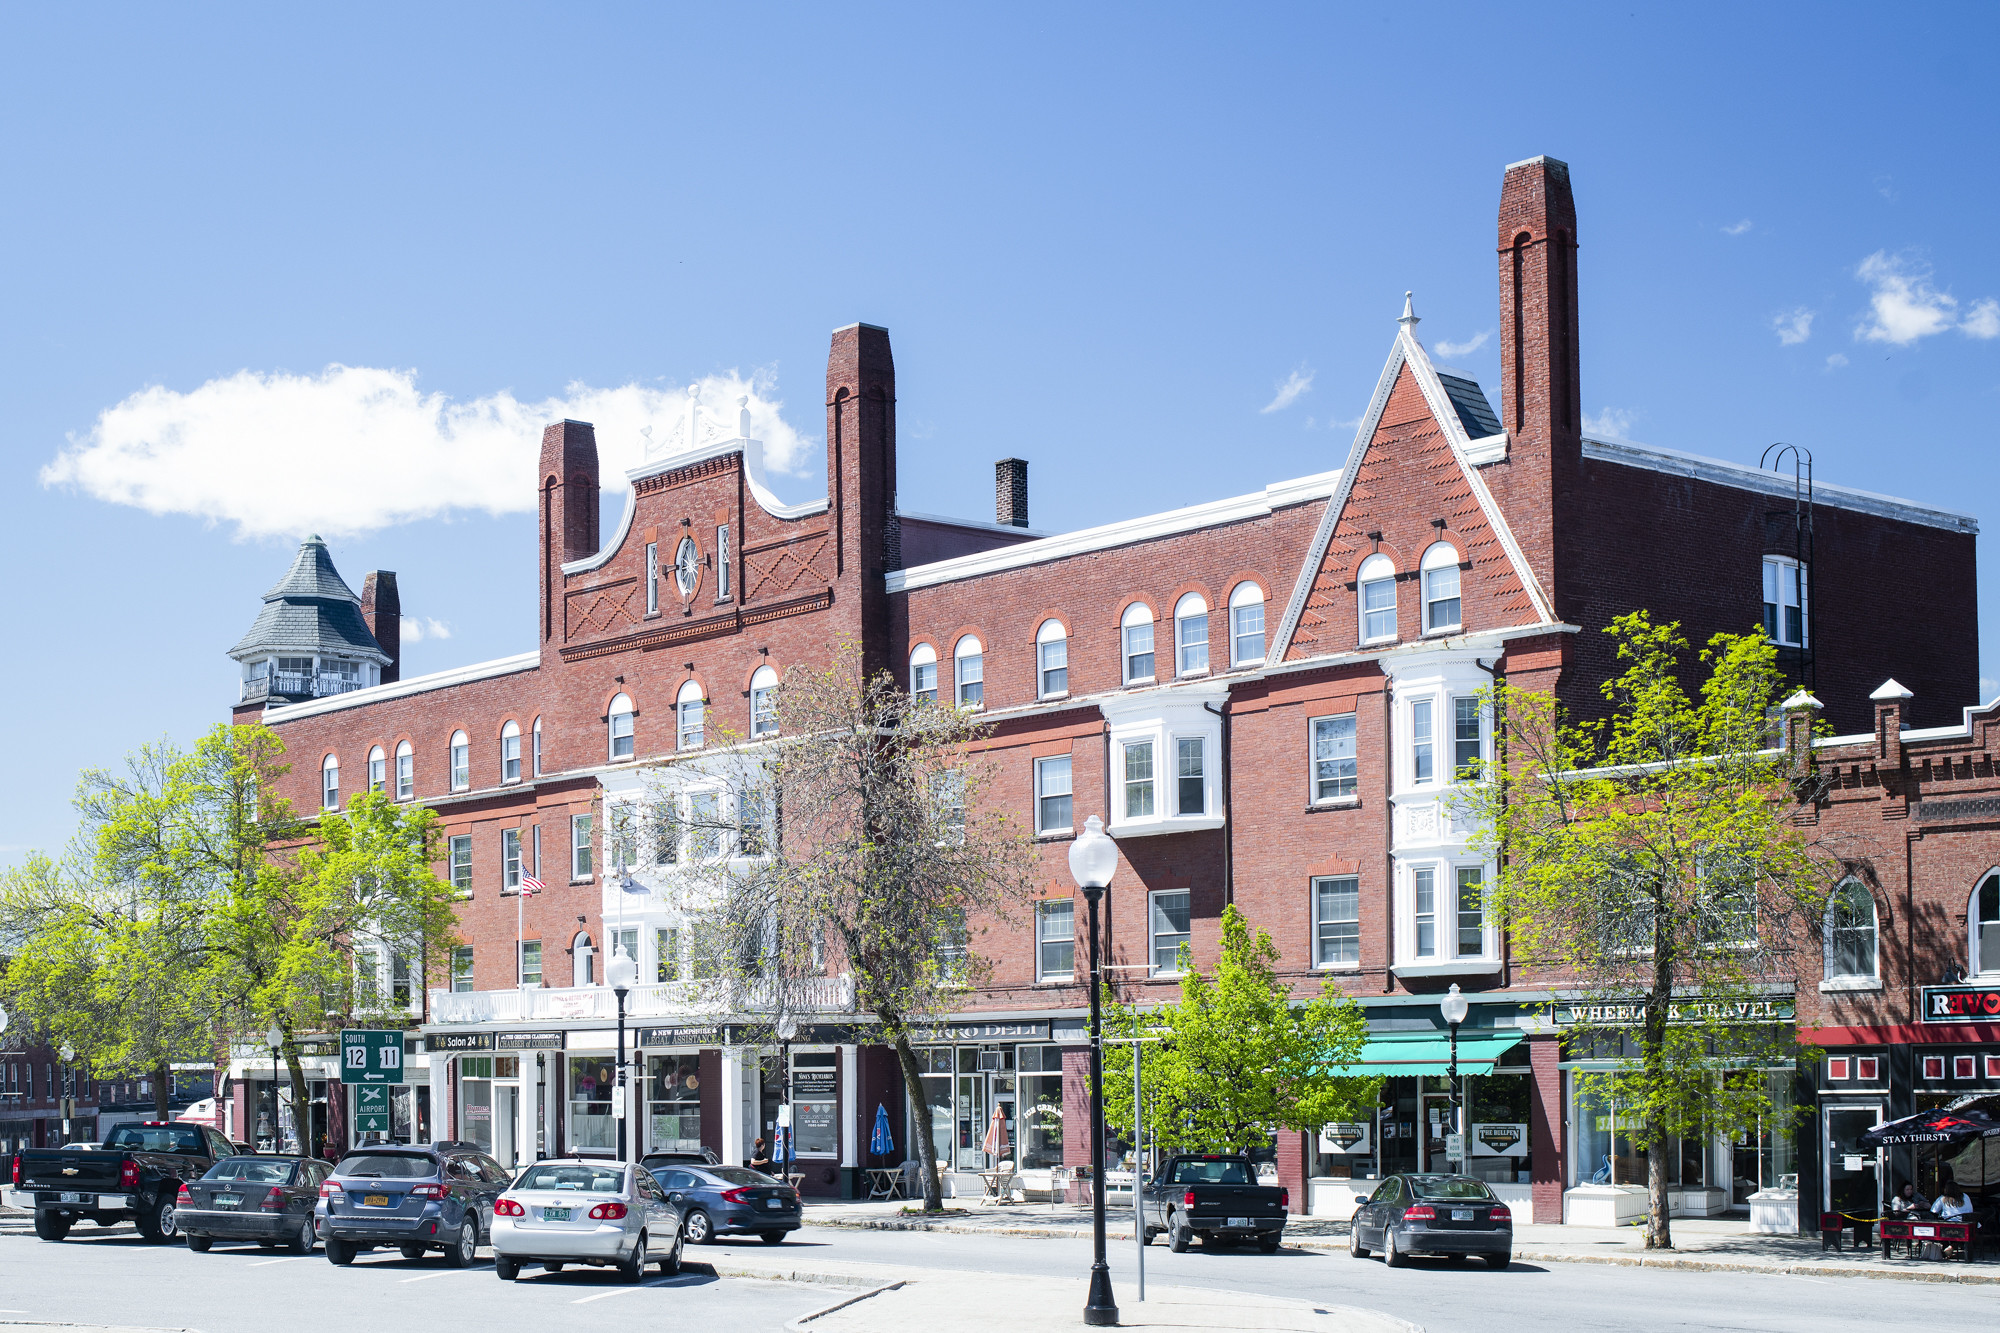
(966, 1084)
(1854, 1173)
(490, 1105)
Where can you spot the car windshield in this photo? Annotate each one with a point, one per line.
(557, 1176)
(251, 1170)
(1212, 1173)
(738, 1175)
(1449, 1187)
(157, 1138)
(388, 1166)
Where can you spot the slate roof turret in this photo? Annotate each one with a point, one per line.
(310, 612)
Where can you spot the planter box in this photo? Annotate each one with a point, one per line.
(1697, 1203)
(1603, 1205)
(1775, 1212)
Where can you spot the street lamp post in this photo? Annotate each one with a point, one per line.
(787, 1028)
(68, 1054)
(621, 973)
(1455, 1009)
(274, 1037)
(1093, 858)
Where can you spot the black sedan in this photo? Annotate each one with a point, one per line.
(1453, 1216)
(267, 1199)
(730, 1200)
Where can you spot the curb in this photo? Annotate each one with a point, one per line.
(1941, 1273)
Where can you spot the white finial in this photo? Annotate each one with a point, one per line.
(694, 411)
(1409, 317)
(743, 418)
(1891, 689)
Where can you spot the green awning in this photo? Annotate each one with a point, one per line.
(1429, 1052)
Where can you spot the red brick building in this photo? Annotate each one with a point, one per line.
(1265, 696)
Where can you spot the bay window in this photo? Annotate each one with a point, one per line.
(1138, 779)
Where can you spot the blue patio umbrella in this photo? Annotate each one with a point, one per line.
(881, 1142)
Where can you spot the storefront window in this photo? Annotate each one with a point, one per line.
(1771, 1151)
(1041, 1116)
(591, 1128)
(1497, 1140)
(1604, 1151)
(815, 1126)
(673, 1103)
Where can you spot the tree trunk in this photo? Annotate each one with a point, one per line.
(926, 1144)
(163, 1089)
(1659, 1235)
(301, 1102)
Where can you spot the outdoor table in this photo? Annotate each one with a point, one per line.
(998, 1185)
(1915, 1233)
(885, 1182)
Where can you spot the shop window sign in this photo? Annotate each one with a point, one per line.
(1958, 1004)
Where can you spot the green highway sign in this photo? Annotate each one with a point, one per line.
(371, 1108)
(368, 1056)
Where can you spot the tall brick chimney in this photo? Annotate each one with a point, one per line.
(861, 474)
(382, 608)
(568, 508)
(1010, 492)
(1542, 405)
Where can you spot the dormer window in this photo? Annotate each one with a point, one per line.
(1191, 635)
(461, 761)
(510, 752)
(969, 672)
(1442, 607)
(923, 673)
(1378, 599)
(1136, 631)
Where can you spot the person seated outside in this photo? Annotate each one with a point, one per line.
(1908, 1201)
(760, 1157)
(1951, 1204)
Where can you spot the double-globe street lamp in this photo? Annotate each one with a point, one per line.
(1093, 858)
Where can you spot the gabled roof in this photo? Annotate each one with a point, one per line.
(311, 612)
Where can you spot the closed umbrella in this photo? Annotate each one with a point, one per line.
(882, 1143)
(995, 1143)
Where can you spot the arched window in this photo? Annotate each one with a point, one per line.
(764, 702)
(461, 761)
(378, 769)
(510, 752)
(1984, 918)
(968, 672)
(619, 721)
(406, 771)
(1442, 608)
(1378, 599)
(1850, 932)
(583, 960)
(536, 745)
(690, 711)
(1191, 634)
(1052, 659)
(1136, 635)
(923, 673)
(329, 783)
(1246, 625)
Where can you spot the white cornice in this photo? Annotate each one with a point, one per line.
(1675, 463)
(437, 680)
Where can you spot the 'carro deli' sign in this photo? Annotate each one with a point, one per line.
(1960, 1004)
(1775, 1010)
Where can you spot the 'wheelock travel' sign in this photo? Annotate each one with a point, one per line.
(1777, 1009)
(1960, 1004)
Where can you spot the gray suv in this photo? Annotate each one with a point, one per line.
(427, 1197)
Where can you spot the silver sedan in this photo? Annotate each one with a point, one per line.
(578, 1211)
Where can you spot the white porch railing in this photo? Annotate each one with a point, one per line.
(669, 999)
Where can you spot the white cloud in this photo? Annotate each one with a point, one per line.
(357, 448)
(1298, 382)
(1794, 326)
(1904, 307)
(418, 628)
(1466, 348)
(1611, 423)
(1738, 229)
(1835, 361)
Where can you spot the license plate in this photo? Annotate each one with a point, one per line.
(70, 1198)
(1914, 1231)
(774, 1203)
(1239, 1221)
(556, 1214)
(1461, 1214)
(228, 1200)
(375, 1201)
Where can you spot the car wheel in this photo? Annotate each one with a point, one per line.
(1500, 1260)
(1177, 1239)
(51, 1227)
(553, 1266)
(339, 1252)
(506, 1269)
(460, 1253)
(670, 1263)
(771, 1237)
(161, 1222)
(634, 1269)
(700, 1230)
(1146, 1236)
(412, 1251)
(1392, 1256)
(1354, 1245)
(199, 1244)
(308, 1236)
(1269, 1244)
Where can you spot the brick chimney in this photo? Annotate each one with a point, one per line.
(568, 508)
(382, 608)
(1542, 405)
(1010, 492)
(861, 475)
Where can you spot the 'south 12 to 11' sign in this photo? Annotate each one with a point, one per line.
(1961, 1004)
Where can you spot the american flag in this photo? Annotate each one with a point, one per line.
(530, 886)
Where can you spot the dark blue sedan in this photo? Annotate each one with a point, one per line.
(722, 1201)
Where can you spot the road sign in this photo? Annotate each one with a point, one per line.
(368, 1056)
(371, 1108)
(1454, 1147)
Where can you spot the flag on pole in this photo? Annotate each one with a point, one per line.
(530, 886)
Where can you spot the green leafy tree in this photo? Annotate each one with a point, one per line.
(1648, 860)
(1239, 1057)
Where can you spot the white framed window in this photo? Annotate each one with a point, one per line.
(1423, 741)
(535, 744)
(704, 826)
(1246, 625)
(1337, 921)
(1443, 609)
(752, 822)
(1053, 809)
(1466, 747)
(580, 838)
(378, 770)
(621, 845)
(510, 860)
(1052, 659)
(1850, 933)
(652, 578)
(1334, 774)
(1191, 635)
(1055, 939)
(666, 831)
(1984, 920)
(1136, 637)
(690, 717)
(1784, 601)
(1469, 905)
(583, 960)
(923, 673)
(722, 563)
(461, 969)
(530, 969)
(461, 761)
(461, 863)
(618, 722)
(1377, 592)
(510, 751)
(1138, 766)
(1190, 775)
(406, 771)
(329, 783)
(1423, 896)
(968, 670)
(1168, 925)
(764, 702)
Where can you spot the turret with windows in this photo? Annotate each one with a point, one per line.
(315, 637)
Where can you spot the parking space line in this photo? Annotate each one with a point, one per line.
(620, 1291)
(448, 1272)
(288, 1259)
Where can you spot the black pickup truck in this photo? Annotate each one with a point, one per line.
(136, 1176)
(1217, 1198)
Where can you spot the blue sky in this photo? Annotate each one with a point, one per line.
(1104, 238)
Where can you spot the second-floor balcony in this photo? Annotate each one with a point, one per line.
(670, 1000)
(298, 685)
